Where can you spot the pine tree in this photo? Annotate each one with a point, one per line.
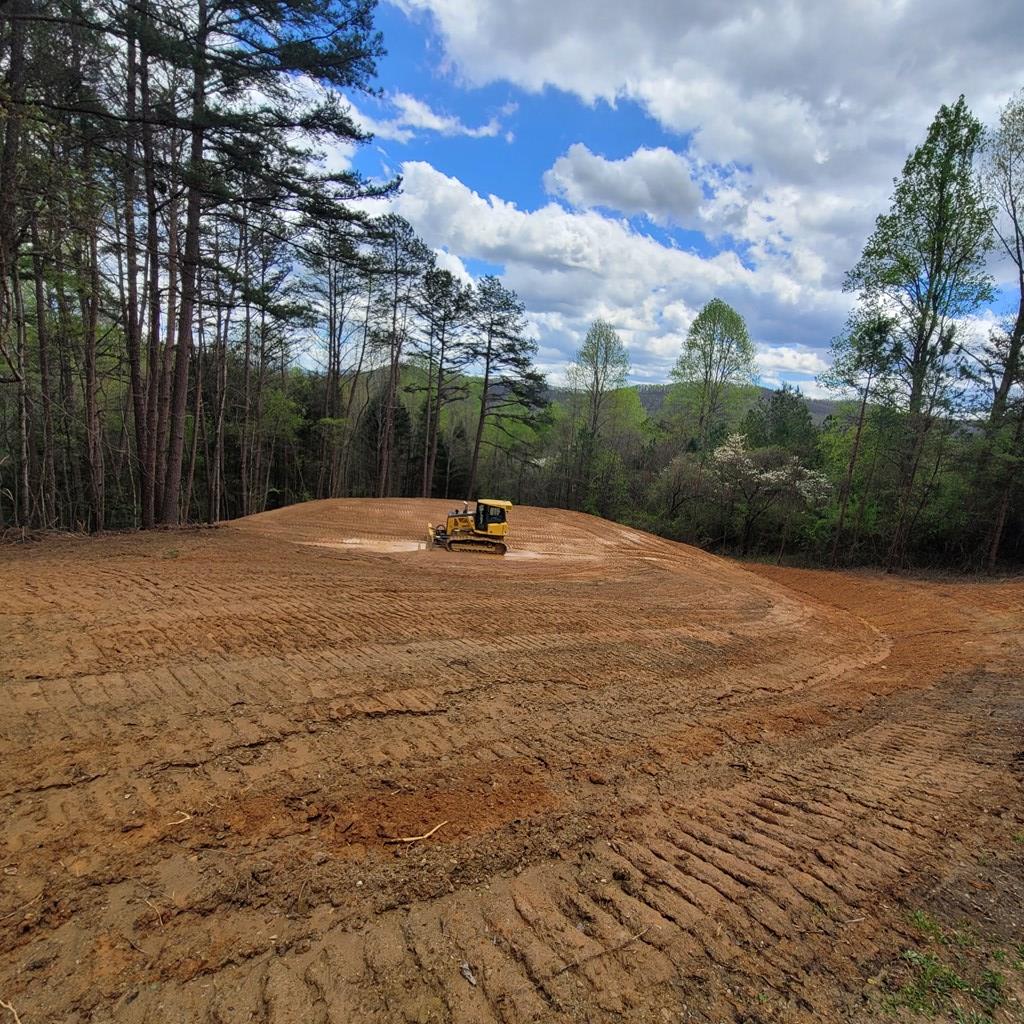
(511, 389)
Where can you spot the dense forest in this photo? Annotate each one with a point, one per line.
(199, 320)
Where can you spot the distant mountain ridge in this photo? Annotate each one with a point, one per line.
(652, 398)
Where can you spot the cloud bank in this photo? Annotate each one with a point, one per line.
(792, 118)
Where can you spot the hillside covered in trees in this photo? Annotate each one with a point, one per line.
(200, 319)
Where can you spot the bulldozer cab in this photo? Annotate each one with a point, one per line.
(489, 513)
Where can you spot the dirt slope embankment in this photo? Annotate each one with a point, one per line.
(661, 787)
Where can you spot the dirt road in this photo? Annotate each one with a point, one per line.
(659, 786)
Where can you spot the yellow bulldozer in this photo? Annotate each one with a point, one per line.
(483, 529)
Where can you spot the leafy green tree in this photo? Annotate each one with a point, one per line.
(445, 306)
(926, 259)
(717, 353)
(925, 264)
(862, 358)
(1003, 178)
(601, 367)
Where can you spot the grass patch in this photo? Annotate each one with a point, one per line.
(970, 1017)
(927, 925)
(964, 938)
(989, 991)
(931, 985)
(956, 990)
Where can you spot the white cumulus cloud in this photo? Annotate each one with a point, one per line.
(656, 182)
(792, 118)
(775, 359)
(571, 267)
(794, 114)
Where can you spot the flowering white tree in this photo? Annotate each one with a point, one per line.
(752, 482)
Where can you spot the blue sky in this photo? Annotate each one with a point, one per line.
(633, 163)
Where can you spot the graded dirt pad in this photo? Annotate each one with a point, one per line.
(658, 786)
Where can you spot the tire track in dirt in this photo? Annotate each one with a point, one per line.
(670, 786)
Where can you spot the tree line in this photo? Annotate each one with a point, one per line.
(199, 320)
(919, 464)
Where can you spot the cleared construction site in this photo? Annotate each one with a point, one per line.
(306, 767)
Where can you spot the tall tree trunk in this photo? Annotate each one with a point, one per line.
(1011, 368)
(93, 428)
(72, 475)
(189, 273)
(435, 423)
(167, 358)
(48, 484)
(350, 430)
(14, 88)
(257, 499)
(221, 394)
(133, 329)
(243, 438)
(387, 433)
(24, 430)
(484, 396)
(428, 412)
(1004, 499)
(896, 554)
(323, 481)
(150, 484)
(844, 494)
(197, 419)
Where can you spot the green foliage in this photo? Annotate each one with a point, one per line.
(931, 984)
(332, 356)
(927, 925)
(990, 989)
(864, 354)
(601, 366)
(717, 353)
(751, 483)
(598, 422)
(926, 260)
(281, 419)
(934, 987)
(782, 420)
(970, 1016)
(938, 228)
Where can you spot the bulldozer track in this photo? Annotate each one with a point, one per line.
(672, 788)
(487, 547)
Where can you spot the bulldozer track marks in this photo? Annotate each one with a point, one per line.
(671, 787)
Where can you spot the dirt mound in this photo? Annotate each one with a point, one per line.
(399, 526)
(649, 784)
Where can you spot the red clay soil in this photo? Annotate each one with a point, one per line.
(659, 786)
